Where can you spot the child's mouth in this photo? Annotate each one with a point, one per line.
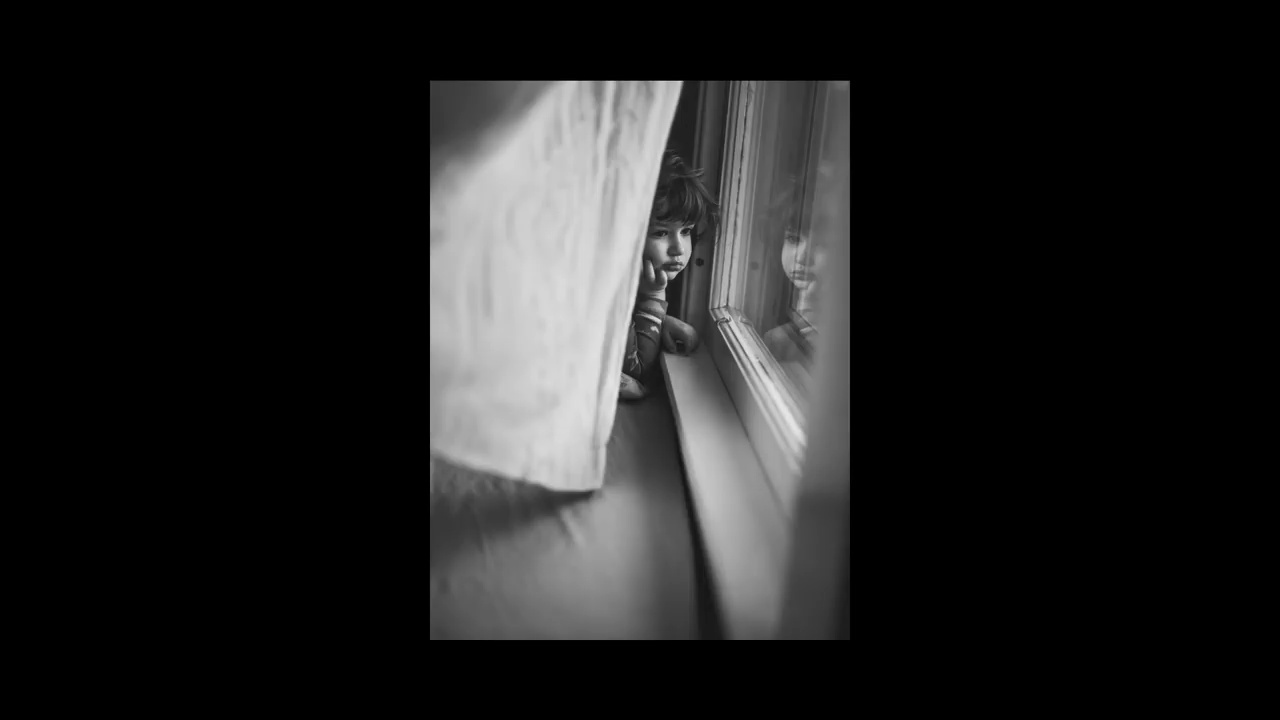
(673, 267)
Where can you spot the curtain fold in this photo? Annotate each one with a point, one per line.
(536, 236)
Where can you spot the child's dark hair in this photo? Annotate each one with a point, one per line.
(682, 195)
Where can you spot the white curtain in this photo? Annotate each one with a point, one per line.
(536, 235)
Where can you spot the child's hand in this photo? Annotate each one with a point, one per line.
(653, 281)
(631, 389)
(678, 336)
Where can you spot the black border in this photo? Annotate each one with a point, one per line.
(266, 436)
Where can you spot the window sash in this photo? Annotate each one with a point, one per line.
(762, 392)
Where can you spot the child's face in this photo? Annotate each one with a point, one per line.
(801, 259)
(668, 245)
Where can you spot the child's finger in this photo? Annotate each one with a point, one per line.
(668, 342)
(648, 271)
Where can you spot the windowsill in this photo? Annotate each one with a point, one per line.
(741, 523)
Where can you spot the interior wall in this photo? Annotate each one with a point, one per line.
(684, 131)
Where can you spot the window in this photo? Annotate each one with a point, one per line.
(784, 196)
(770, 297)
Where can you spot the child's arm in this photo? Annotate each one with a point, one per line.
(644, 337)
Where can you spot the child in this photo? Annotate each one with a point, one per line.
(681, 203)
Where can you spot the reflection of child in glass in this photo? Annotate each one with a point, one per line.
(802, 262)
(681, 203)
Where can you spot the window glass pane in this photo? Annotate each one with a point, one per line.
(799, 199)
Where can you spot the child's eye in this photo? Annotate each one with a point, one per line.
(686, 231)
(659, 233)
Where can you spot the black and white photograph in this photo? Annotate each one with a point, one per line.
(640, 360)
